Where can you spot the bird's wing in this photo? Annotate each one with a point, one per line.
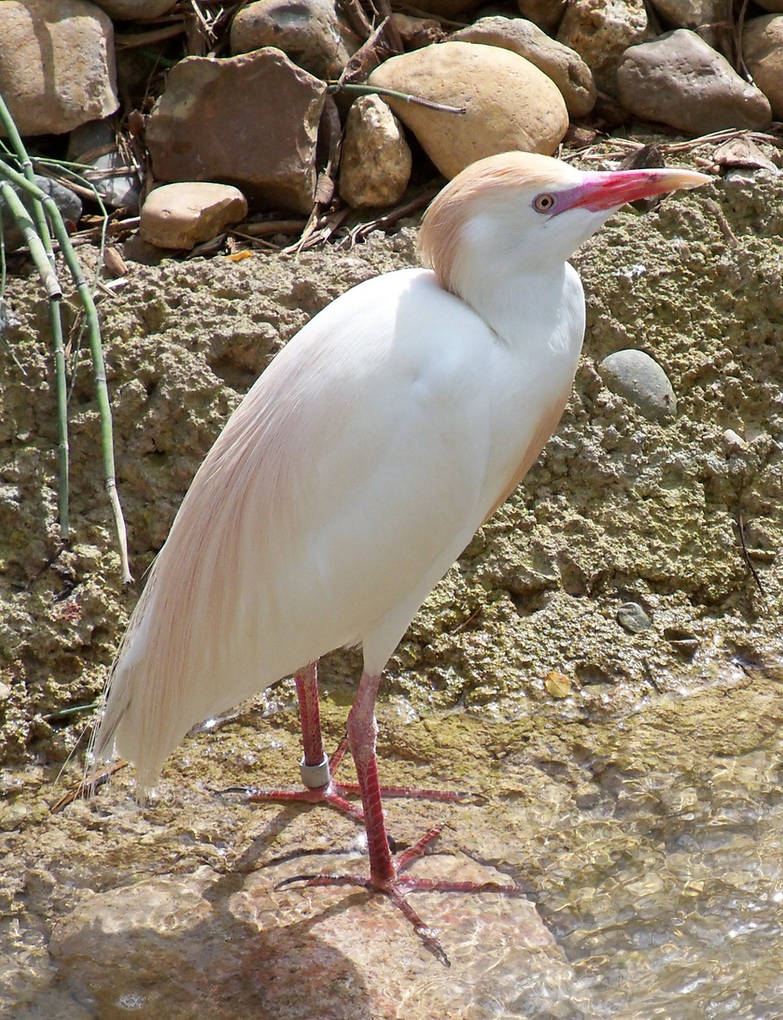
(339, 492)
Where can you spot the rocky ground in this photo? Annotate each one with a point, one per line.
(617, 621)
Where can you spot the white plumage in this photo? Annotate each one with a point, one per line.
(365, 457)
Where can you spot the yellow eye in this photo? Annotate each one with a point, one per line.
(543, 203)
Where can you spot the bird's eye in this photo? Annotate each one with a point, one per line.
(543, 203)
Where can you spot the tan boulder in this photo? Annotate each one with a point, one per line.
(509, 103)
(600, 31)
(250, 120)
(560, 63)
(57, 66)
(181, 215)
(375, 164)
(762, 48)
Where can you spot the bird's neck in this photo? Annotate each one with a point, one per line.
(540, 306)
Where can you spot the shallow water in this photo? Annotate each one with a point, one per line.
(649, 846)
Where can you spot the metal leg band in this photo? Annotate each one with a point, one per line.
(314, 776)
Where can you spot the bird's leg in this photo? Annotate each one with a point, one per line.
(314, 766)
(362, 734)
(387, 871)
(316, 769)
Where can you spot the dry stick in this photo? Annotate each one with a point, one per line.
(99, 368)
(741, 65)
(55, 321)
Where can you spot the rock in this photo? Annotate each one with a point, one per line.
(563, 65)
(600, 31)
(634, 375)
(677, 79)
(690, 13)
(250, 120)
(741, 152)
(682, 641)
(95, 144)
(776, 6)
(706, 17)
(67, 202)
(56, 64)
(733, 443)
(182, 215)
(446, 8)
(762, 48)
(135, 10)
(544, 13)
(310, 32)
(417, 32)
(632, 617)
(375, 165)
(509, 103)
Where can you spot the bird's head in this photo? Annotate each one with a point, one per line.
(520, 210)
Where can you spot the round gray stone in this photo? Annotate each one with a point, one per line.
(632, 617)
(637, 377)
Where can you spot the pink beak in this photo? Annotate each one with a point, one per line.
(611, 189)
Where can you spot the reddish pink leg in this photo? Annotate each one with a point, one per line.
(386, 871)
(314, 767)
(318, 772)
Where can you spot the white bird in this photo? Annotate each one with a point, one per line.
(358, 468)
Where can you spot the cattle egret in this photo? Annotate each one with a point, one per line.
(359, 466)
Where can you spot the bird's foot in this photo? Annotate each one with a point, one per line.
(334, 793)
(330, 794)
(398, 884)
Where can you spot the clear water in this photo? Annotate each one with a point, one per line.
(649, 847)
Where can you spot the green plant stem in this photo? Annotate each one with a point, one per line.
(99, 368)
(56, 322)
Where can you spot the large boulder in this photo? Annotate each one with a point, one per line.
(311, 32)
(250, 121)
(545, 13)
(509, 103)
(677, 79)
(57, 66)
(135, 10)
(600, 31)
(560, 63)
(762, 48)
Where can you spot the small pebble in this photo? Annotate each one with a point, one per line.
(682, 641)
(733, 442)
(634, 375)
(632, 617)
